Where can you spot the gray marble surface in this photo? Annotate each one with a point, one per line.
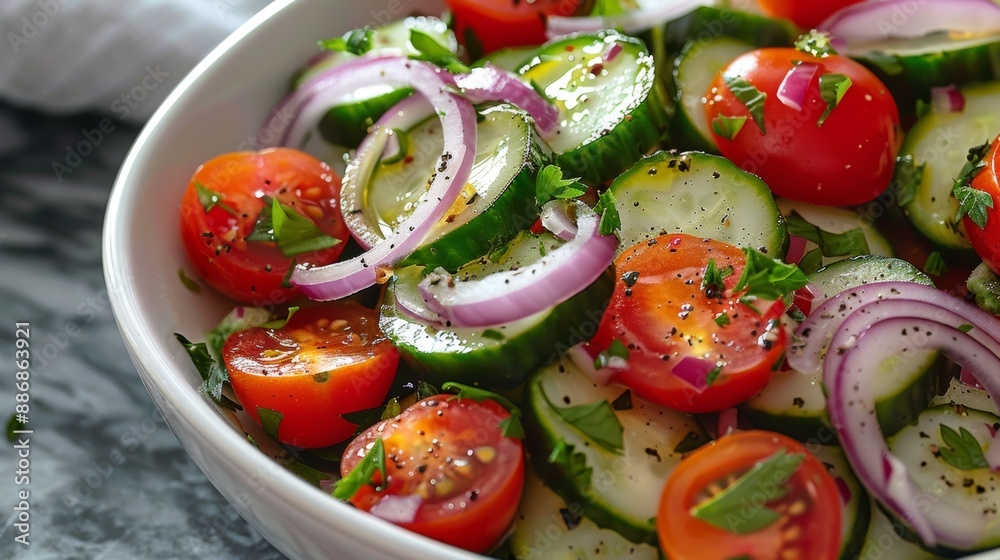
(108, 480)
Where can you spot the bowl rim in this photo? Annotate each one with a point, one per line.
(164, 378)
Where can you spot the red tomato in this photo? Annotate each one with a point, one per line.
(215, 240)
(665, 319)
(847, 160)
(986, 240)
(811, 511)
(804, 14)
(506, 23)
(326, 361)
(452, 455)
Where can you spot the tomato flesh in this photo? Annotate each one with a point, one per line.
(499, 24)
(811, 512)
(849, 159)
(986, 240)
(452, 455)
(804, 14)
(215, 240)
(326, 361)
(665, 318)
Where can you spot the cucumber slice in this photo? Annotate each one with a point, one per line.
(611, 107)
(884, 542)
(497, 203)
(910, 67)
(959, 393)
(497, 358)
(546, 528)
(707, 22)
(941, 142)
(858, 508)
(621, 491)
(509, 59)
(794, 403)
(985, 285)
(837, 220)
(974, 490)
(346, 124)
(697, 194)
(693, 72)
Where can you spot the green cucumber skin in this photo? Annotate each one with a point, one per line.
(501, 366)
(347, 125)
(854, 538)
(512, 212)
(607, 153)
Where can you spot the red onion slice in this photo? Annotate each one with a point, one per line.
(490, 83)
(651, 14)
(796, 249)
(852, 412)
(458, 119)
(694, 371)
(584, 361)
(397, 509)
(508, 296)
(947, 99)
(885, 19)
(793, 88)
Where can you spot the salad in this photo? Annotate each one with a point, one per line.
(609, 279)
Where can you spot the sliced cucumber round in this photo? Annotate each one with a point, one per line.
(616, 490)
(547, 528)
(794, 402)
(884, 543)
(497, 203)
(698, 194)
(960, 394)
(611, 107)
(910, 67)
(509, 59)
(941, 142)
(708, 22)
(347, 123)
(497, 358)
(835, 221)
(693, 72)
(969, 488)
(857, 511)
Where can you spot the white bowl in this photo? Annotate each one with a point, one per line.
(216, 109)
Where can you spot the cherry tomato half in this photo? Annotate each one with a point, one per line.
(848, 159)
(810, 513)
(660, 312)
(506, 23)
(451, 454)
(986, 240)
(804, 14)
(326, 361)
(223, 203)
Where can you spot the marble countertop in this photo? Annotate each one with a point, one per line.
(108, 480)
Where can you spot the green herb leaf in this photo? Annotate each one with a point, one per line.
(728, 127)
(849, 243)
(692, 441)
(356, 41)
(426, 390)
(712, 376)
(294, 233)
(596, 421)
(190, 284)
(935, 265)
(713, 279)
(550, 185)
(811, 261)
(767, 278)
(404, 147)
(212, 373)
(509, 427)
(723, 320)
(611, 221)
(270, 420)
(12, 426)
(749, 96)
(832, 88)
(209, 199)
(363, 473)
(612, 7)
(493, 334)
(739, 508)
(906, 180)
(392, 409)
(574, 465)
(973, 203)
(816, 43)
(963, 450)
(286, 282)
(966, 328)
(239, 319)
(623, 402)
(431, 51)
(280, 323)
(616, 350)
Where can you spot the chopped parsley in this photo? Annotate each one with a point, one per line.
(973, 202)
(961, 450)
(551, 185)
(713, 280)
(294, 233)
(611, 221)
(849, 243)
(832, 88)
(209, 199)
(749, 96)
(906, 180)
(816, 43)
(356, 41)
(723, 320)
(596, 421)
(616, 350)
(270, 420)
(712, 376)
(935, 265)
(573, 464)
(431, 51)
(728, 127)
(363, 473)
(280, 323)
(510, 426)
(767, 278)
(213, 374)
